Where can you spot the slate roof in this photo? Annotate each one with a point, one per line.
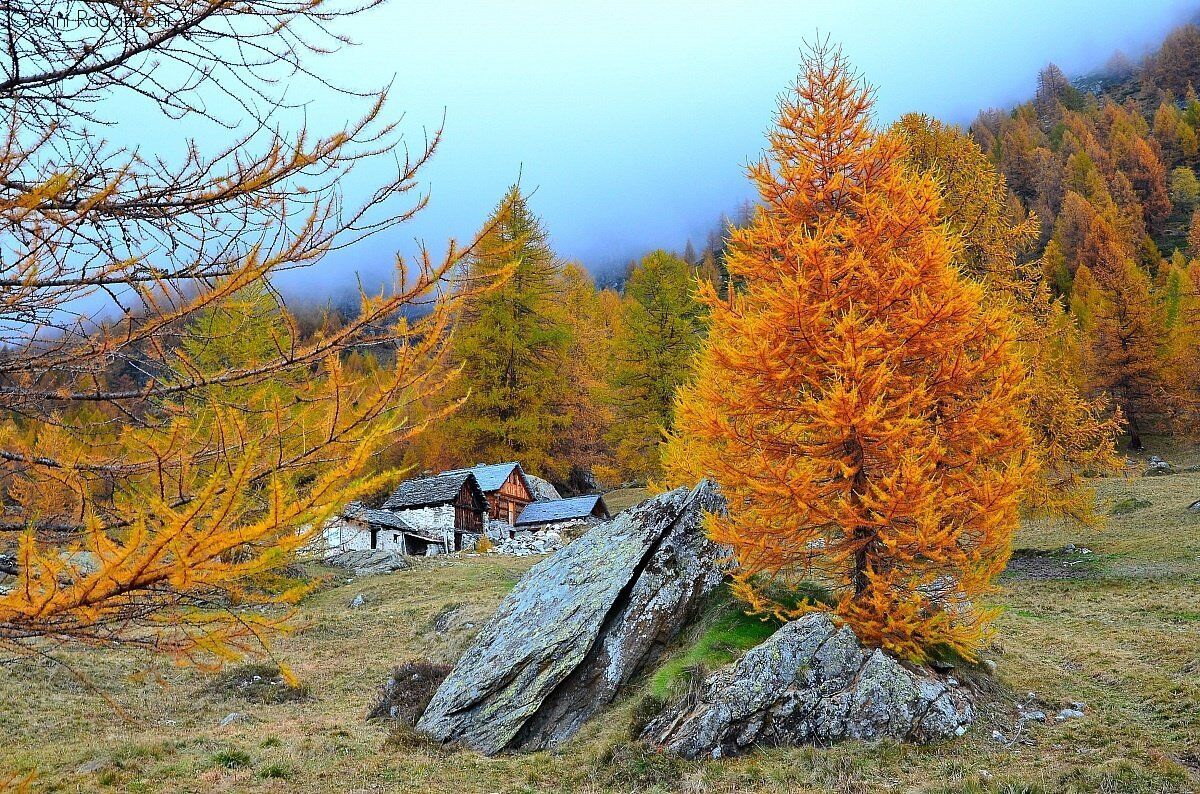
(561, 510)
(439, 489)
(492, 475)
(384, 518)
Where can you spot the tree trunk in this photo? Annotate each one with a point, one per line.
(861, 534)
(1135, 433)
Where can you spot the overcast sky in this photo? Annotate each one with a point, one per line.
(632, 121)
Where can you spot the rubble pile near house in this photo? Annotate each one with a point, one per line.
(527, 542)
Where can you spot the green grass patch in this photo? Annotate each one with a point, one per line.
(731, 634)
(728, 634)
(230, 759)
(1128, 505)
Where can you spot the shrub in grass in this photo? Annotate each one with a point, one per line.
(275, 772)
(408, 691)
(1130, 505)
(230, 759)
(256, 683)
(405, 737)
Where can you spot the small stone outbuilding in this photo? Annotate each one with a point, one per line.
(444, 509)
(563, 514)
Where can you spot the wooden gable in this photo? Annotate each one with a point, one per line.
(468, 508)
(506, 503)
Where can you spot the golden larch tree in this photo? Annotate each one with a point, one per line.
(1073, 433)
(168, 435)
(858, 400)
(1123, 329)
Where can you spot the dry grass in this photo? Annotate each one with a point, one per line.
(1124, 640)
(624, 498)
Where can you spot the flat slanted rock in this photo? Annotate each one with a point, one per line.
(811, 683)
(579, 625)
(369, 561)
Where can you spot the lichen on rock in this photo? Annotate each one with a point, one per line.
(579, 625)
(811, 682)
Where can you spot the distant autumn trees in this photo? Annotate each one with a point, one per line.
(511, 345)
(168, 437)
(1073, 431)
(860, 401)
(1111, 178)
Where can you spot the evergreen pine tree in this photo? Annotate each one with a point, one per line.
(512, 345)
(661, 330)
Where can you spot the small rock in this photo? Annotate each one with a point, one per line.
(358, 601)
(990, 666)
(445, 619)
(997, 736)
(1035, 716)
(88, 767)
(985, 775)
(1195, 506)
(1068, 714)
(234, 717)
(1158, 468)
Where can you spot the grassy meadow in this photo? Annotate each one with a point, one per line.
(1117, 630)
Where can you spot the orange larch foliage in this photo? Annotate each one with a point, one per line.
(1072, 433)
(1122, 327)
(858, 403)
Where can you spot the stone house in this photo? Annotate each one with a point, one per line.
(506, 487)
(451, 511)
(563, 514)
(446, 509)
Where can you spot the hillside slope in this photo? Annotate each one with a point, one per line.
(1117, 630)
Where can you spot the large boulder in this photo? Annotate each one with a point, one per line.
(579, 625)
(543, 491)
(811, 683)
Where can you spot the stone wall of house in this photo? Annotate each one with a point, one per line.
(433, 521)
(342, 534)
(430, 519)
(388, 539)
